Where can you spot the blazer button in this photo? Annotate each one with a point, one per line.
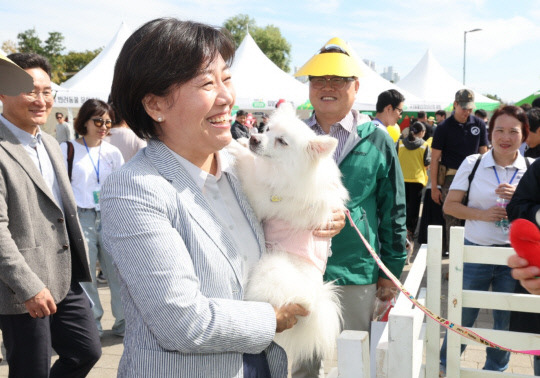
(60, 220)
(65, 246)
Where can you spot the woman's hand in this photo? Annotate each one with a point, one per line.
(493, 214)
(286, 316)
(528, 275)
(333, 227)
(506, 191)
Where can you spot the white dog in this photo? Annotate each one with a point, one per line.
(293, 185)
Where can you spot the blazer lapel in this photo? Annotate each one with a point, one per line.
(60, 171)
(12, 145)
(193, 201)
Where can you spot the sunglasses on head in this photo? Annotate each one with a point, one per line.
(98, 122)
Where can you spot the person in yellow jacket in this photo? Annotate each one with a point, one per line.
(414, 156)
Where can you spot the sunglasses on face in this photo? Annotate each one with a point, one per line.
(98, 122)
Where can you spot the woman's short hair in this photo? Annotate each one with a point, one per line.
(512, 111)
(161, 54)
(90, 108)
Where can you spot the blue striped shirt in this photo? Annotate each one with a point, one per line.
(340, 130)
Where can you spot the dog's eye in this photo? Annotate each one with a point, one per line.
(282, 141)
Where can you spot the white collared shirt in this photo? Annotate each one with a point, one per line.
(39, 155)
(218, 192)
(482, 193)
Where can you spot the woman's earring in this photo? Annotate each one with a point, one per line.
(160, 119)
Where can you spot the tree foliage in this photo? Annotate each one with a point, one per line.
(269, 39)
(76, 61)
(63, 66)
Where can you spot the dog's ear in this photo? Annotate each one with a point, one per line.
(321, 146)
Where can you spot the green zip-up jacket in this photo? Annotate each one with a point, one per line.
(372, 175)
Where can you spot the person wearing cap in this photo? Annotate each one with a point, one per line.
(459, 136)
(367, 157)
(389, 109)
(43, 255)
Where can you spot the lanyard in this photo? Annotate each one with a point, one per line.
(92, 160)
(497, 176)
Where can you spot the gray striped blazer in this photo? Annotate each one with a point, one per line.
(180, 275)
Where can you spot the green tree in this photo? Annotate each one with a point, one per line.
(238, 26)
(30, 42)
(52, 48)
(76, 61)
(274, 45)
(269, 39)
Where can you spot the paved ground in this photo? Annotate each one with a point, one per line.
(474, 357)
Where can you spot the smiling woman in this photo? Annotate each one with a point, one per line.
(491, 187)
(90, 163)
(179, 228)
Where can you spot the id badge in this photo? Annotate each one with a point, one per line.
(96, 194)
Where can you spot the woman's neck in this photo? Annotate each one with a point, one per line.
(504, 160)
(90, 142)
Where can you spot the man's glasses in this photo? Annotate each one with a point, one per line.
(98, 122)
(47, 94)
(400, 111)
(336, 82)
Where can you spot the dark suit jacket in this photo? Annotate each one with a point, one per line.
(39, 245)
(239, 131)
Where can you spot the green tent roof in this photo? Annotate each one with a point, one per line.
(529, 99)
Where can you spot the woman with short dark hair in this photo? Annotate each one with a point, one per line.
(180, 230)
(89, 164)
(490, 188)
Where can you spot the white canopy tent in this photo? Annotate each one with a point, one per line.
(94, 80)
(259, 83)
(429, 80)
(372, 84)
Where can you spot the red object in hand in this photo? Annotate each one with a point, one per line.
(525, 239)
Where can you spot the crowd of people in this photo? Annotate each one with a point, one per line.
(174, 234)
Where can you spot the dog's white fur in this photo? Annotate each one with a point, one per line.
(288, 173)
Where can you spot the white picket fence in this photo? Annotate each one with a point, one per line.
(407, 339)
(458, 298)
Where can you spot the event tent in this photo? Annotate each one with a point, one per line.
(529, 99)
(95, 79)
(430, 81)
(372, 84)
(259, 83)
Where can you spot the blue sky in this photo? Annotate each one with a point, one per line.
(502, 59)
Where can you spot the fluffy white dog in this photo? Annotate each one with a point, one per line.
(293, 185)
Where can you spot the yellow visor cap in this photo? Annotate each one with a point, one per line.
(332, 63)
(13, 79)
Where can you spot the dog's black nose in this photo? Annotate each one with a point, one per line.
(253, 141)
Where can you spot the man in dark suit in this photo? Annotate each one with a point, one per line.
(238, 128)
(43, 255)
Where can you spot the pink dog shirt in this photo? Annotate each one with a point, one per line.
(303, 243)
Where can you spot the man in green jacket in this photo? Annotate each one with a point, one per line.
(371, 172)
